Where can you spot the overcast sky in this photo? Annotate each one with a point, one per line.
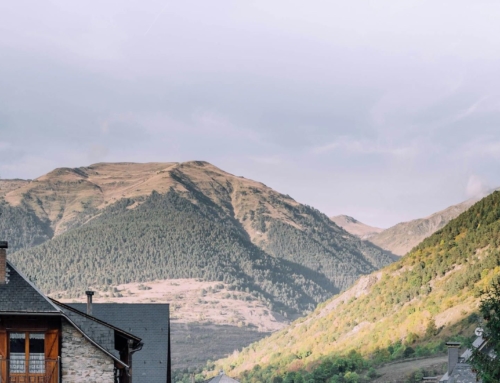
(383, 110)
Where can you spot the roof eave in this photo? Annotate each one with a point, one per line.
(9, 264)
(31, 313)
(119, 330)
(95, 343)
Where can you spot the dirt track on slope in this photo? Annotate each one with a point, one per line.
(397, 371)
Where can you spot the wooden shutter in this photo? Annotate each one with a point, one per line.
(3, 355)
(51, 354)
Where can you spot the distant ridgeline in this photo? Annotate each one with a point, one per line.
(208, 224)
(409, 308)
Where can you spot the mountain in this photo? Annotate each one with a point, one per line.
(111, 224)
(401, 238)
(410, 307)
(355, 227)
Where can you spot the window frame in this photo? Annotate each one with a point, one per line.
(27, 353)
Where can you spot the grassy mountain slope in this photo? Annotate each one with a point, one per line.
(122, 223)
(401, 238)
(61, 196)
(428, 296)
(8, 185)
(355, 227)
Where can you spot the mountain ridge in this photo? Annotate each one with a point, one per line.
(69, 212)
(355, 227)
(404, 236)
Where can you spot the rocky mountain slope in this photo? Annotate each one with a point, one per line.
(111, 224)
(408, 308)
(353, 226)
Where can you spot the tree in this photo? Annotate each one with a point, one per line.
(431, 329)
(351, 377)
(409, 351)
(488, 367)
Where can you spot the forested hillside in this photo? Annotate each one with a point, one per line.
(168, 236)
(408, 308)
(22, 226)
(118, 223)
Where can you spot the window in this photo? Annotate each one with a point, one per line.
(27, 353)
(37, 354)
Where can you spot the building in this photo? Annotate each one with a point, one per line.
(42, 340)
(148, 321)
(459, 370)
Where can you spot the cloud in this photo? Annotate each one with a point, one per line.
(484, 147)
(268, 160)
(346, 97)
(97, 153)
(26, 165)
(4, 146)
(470, 110)
(476, 187)
(9, 153)
(364, 147)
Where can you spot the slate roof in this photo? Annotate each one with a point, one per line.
(148, 321)
(478, 343)
(97, 330)
(462, 373)
(20, 295)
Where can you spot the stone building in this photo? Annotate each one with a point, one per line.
(150, 322)
(459, 369)
(42, 340)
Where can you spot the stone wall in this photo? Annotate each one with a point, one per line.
(81, 361)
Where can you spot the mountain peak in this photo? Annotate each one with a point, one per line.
(346, 218)
(353, 226)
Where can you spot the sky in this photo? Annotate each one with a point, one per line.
(383, 110)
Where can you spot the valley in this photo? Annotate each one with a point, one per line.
(193, 300)
(411, 307)
(235, 259)
(208, 319)
(240, 263)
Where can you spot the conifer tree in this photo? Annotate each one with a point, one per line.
(487, 363)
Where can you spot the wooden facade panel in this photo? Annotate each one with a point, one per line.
(20, 323)
(3, 355)
(50, 327)
(52, 344)
(52, 348)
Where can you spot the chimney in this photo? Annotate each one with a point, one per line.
(3, 262)
(453, 353)
(89, 301)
